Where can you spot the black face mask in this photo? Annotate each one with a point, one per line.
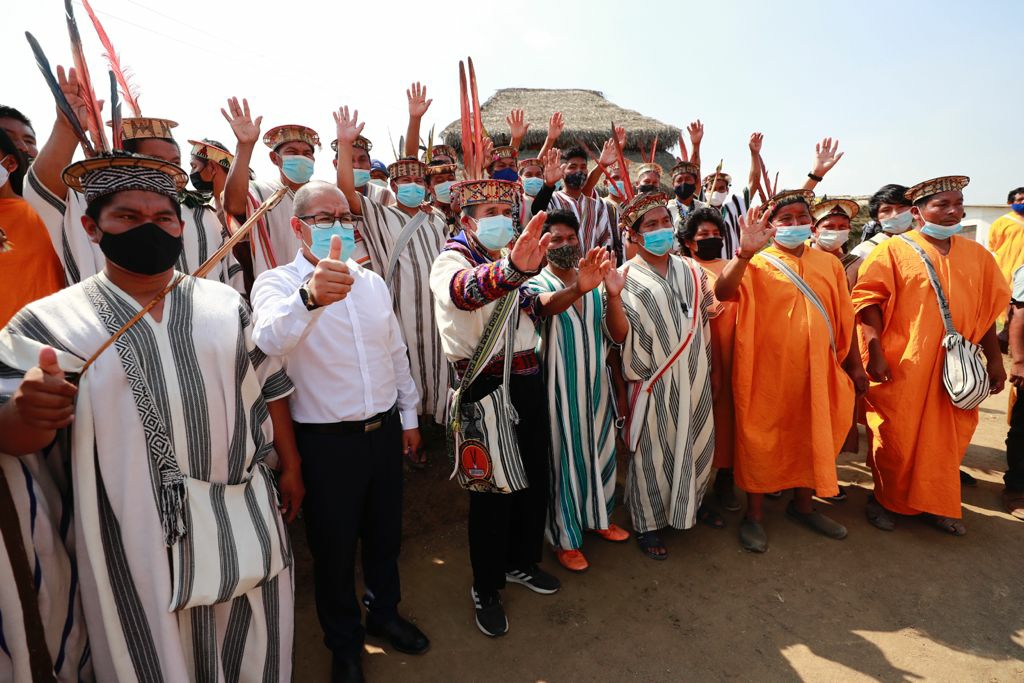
(576, 180)
(644, 189)
(710, 248)
(204, 186)
(683, 192)
(146, 249)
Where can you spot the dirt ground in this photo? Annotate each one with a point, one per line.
(910, 605)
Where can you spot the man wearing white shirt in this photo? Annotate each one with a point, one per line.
(355, 414)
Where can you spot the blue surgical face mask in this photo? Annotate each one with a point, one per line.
(410, 195)
(495, 232)
(559, 185)
(360, 177)
(321, 245)
(897, 224)
(940, 232)
(659, 242)
(508, 174)
(379, 182)
(443, 192)
(1019, 208)
(618, 189)
(532, 186)
(297, 168)
(792, 236)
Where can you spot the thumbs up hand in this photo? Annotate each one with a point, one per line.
(44, 399)
(331, 280)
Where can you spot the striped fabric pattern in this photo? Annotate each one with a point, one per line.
(582, 422)
(672, 463)
(592, 213)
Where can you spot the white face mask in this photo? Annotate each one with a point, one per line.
(718, 198)
(832, 240)
(5, 175)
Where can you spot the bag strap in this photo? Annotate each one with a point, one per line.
(686, 342)
(403, 239)
(933, 277)
(806, 290)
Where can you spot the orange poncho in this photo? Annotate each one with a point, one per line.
(723, 329)
(793, 399)
(919, 436)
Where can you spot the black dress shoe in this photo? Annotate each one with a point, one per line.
(403, 635)
(347, 669)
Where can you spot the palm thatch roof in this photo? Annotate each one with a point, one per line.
(588, 118)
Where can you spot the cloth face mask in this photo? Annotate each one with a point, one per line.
(710, 248)
(564, 257)
(146, 249)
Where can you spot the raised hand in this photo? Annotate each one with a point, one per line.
(331, 280)
(609, 154)
(529, 251)
(418, 102)
(696, 132)
(517, 124)
(615, 280)
(555, 126)
(44, 399)
(348, 127)
(554, 169)
(826, 155)
(487, 151)
(246, 131)
(755, 232)
(620, 135)
(756, 141)
(75, 94)
(592, 269)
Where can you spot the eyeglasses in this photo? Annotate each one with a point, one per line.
(322, 221)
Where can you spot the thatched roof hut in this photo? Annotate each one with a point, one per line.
(588, 118)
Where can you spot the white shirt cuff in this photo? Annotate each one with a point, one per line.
(410, 420)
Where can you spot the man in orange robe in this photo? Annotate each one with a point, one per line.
(794, 375)
(919, 435)
(1006, 238)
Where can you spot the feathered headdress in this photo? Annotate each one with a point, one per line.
(472, 124)
(94, 112)
(123, 76)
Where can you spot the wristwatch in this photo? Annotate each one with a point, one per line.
(306, 296)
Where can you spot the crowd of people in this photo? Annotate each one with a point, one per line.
(560, 315)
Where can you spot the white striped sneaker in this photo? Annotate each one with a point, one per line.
(534, 578)
(490, 615)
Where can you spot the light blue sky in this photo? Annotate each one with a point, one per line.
(911, 89)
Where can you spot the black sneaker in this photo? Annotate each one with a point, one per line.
(490, 615)
(534, 578)
(839, 497)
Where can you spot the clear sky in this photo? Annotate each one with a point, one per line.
(911, 89)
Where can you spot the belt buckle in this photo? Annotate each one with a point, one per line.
(373, 425)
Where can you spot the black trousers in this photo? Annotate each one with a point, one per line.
(507, 530)
(1014, 477)
(353, 492)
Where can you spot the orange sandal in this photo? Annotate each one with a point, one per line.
(573, 560)
(614, 533)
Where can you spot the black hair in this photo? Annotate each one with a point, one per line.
(574, 153)
(17, 176)
(1013, 194)
(12, 113)
(705, 214)
(887, 194)
(794, 199)
(133, 144)
(561, 217)
(96, 206)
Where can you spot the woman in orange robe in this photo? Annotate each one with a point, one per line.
(919, 436)
(793, 388)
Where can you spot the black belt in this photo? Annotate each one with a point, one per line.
(355, 427)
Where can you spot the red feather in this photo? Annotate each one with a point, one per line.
(478, 124)
(128, 91)
(467, 125)
(82, 68)
(623, 169)
(654, 147)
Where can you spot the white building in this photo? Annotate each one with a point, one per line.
(978, 217)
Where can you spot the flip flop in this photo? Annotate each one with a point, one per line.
(649, 542)
(709, 517)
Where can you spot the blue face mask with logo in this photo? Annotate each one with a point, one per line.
(659, 242)
(410, 195)
(532, 186)
(508, 174)
(360, 176)
(321, 245)
(297, 168)
(940, 232)
(443, 192)
(495, 232)
(899, 223)
(792, 236)
(1019, 208)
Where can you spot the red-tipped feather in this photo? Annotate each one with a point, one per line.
(654, 148)
(683, 154)
(623, 169)
(95, 112)
(467, 125)
(128, 91)
(478, 124)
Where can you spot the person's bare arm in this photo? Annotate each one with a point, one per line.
(754, 178)
(854, 365)
(418, 106)
(349, 129)
(826, 156)
(754, 235)
(59, 149)
(1016, 334)
(996, 371)
(871, 323)
(42, 404)
(247, 132)
(289, 480)
(696, 131)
